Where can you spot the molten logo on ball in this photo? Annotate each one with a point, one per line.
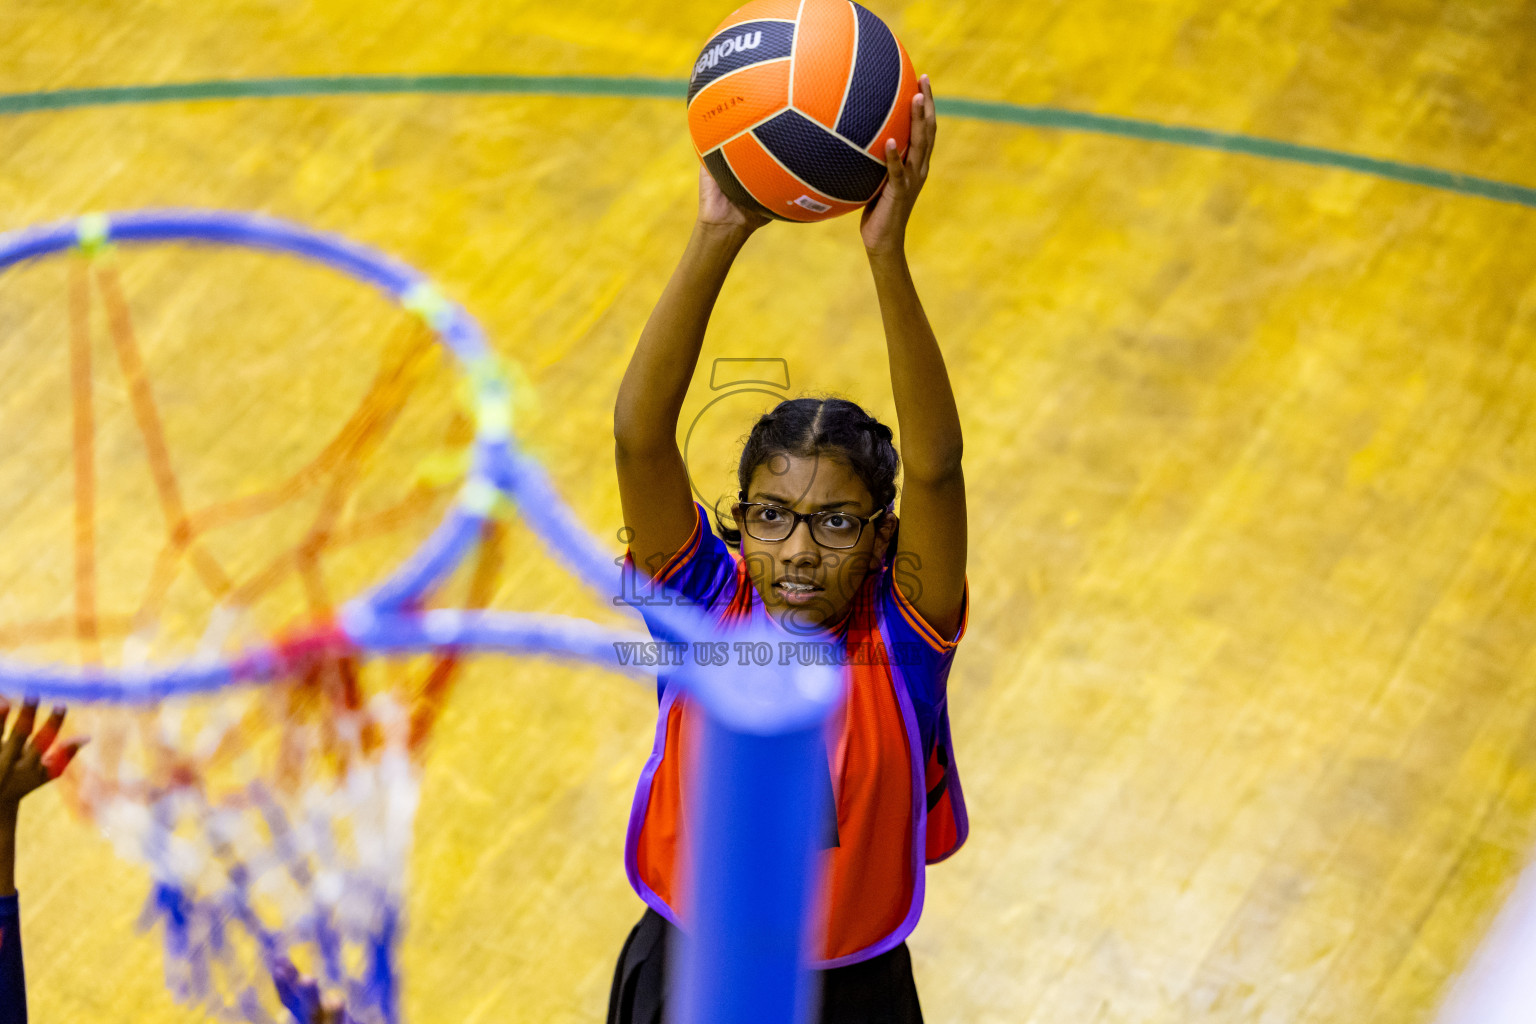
(746, 41)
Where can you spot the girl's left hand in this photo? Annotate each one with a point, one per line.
(884, 223)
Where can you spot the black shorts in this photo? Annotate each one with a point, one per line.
(876, 991)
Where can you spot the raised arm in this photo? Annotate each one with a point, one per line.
(933, 538)
(653, 481)
(27, 760)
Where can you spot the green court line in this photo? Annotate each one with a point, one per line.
(1250, 145)
(664, 88)
(342, 85)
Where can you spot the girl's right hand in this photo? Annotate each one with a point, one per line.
(716, 211)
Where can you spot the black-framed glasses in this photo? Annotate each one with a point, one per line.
(771, 523)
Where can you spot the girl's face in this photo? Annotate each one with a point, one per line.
(808, 485)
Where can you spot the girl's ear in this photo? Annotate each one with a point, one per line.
(741, 532)
(884, 531)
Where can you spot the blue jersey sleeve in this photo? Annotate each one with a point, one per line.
(701, 573)
(921, 658)
(13, 984)
(923, 655)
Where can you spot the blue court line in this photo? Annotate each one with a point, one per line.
(672, 89)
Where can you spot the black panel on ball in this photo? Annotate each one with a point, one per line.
(820, 159)
(876, 77)
(741, 46)
(720, 170)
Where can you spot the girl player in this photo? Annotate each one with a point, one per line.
(27, 761)
(819, 555)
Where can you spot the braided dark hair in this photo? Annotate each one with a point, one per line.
(820, 427)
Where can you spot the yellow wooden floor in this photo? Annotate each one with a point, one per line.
(1245, 715)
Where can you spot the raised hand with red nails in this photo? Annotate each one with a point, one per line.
(28, 760)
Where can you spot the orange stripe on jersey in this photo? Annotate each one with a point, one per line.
(899, 125)
(927, 632)
(741, 603)
(729, 106)
(775, 187)
(821, 71)
(679, 556)
(781, 10)
(662, 844)
(869, 876)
